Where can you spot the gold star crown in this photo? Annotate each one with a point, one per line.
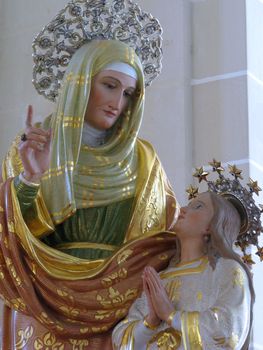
(241, 198)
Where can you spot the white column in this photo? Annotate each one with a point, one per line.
(220, 106)
(254, 10)
(227, 98)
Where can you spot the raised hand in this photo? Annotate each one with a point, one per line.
(161, 303)
(34, 149)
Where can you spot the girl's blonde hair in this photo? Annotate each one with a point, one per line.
(224, 229)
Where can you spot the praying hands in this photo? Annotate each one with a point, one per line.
(159, 304)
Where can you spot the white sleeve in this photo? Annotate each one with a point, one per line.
(131, 333)
(226, 323)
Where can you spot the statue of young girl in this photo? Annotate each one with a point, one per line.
(204, 299)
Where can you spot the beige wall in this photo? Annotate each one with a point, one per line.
(206, 103)
(168, 110)
(17, 29)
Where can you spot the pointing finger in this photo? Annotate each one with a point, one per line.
(29, 117)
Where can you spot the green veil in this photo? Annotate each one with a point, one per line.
(81, 176)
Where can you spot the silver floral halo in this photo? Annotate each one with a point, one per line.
(84, 20)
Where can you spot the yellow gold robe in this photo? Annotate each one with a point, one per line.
(56, 300)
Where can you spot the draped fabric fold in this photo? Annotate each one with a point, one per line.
(155, 210)
(88, 176)
(51, 295)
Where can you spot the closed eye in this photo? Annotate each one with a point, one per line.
(109, 85)
(195, 205)
(127, 94)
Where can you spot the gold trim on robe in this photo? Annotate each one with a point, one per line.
(128, 338)
(149, 218)
(87, 245)
(213, 308)
(190, 331)
(72, 298)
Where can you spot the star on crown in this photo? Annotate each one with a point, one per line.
(216, 166)
(253, 186)
(200, 174)
(233, 170)
(192, 192)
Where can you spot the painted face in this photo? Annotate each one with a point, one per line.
(110, 94)
(194, 219)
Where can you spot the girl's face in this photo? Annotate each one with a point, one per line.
(110, 94)
(195, 218)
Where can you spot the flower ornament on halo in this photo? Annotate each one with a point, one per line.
(242, 199)
(81, 21)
